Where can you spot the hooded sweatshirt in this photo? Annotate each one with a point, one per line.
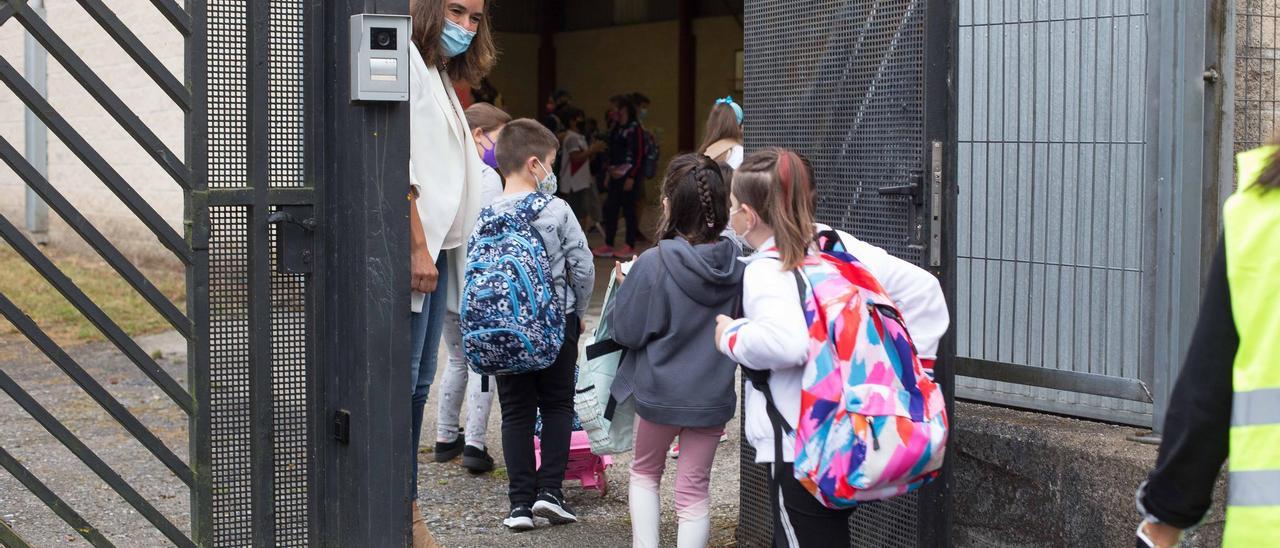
(665, 314)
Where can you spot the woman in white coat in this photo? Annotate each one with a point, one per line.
(452, 41)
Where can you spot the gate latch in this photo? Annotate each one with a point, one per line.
(295, 228)
(342, 426)
(914, 190)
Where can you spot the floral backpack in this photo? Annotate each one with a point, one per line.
(873, 424)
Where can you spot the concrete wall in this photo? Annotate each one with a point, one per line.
(516, 75)
(137, 90)
(1032, 479)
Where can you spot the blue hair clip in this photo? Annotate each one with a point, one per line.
(737, 109)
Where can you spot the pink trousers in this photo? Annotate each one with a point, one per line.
(693, 468)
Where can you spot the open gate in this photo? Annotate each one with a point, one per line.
(295, 310)
(860, 87)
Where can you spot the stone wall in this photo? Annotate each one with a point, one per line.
(1257, 71)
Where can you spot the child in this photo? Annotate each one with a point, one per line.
(664, 313)
(723, 141)
(577, 185)
(772, 211)
(486, 122)
(525, 152)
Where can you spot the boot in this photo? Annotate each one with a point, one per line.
(421, 536)
(645, 505)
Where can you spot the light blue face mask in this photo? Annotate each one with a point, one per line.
(455, 39)
(548, 184)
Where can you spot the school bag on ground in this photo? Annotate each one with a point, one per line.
(872, 424)
(609, 424)
(512, 321)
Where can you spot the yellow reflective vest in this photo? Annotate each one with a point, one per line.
(1252, 234)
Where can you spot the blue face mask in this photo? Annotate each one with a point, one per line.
(455, 39)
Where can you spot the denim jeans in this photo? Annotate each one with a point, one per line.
(425, 329)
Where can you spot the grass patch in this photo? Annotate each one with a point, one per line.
(20, 283)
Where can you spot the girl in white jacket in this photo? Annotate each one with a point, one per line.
(772, 211)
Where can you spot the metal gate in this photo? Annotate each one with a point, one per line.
(864, 95)
(295, 310)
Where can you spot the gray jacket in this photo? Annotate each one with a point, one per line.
(665, 314)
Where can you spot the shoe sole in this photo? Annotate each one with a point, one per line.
(448, 455)
(518, 524)
(477, 465)
(555, 514)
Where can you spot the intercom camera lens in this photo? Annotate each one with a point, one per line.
(383, 38)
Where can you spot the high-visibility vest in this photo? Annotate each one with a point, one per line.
(1252, 234)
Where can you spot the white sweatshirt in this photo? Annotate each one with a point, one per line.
(774, 336)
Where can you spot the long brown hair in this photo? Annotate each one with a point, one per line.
(1269, 179)
(721, 124)
(470, 67)
(775, 183)
(697, 200)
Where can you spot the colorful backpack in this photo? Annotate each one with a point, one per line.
(512, 321)
(873, 424)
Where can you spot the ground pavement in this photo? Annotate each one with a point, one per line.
(462, 510)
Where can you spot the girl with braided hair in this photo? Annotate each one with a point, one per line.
(664, 314)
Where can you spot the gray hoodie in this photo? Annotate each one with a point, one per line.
(665, 314)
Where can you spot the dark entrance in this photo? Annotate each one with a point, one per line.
(861, 88)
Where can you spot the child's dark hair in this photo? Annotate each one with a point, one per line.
(624, 102)
(523, 139)
(775, 183)
(697, 200)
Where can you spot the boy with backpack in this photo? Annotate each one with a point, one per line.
(529, 277)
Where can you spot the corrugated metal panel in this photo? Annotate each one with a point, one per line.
(1052, 137)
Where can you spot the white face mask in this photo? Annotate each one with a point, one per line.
(740, 236)
(548, 184)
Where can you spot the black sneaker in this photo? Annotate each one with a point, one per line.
(446, 452)
(520, 519)
(551, 505)
(476, 460)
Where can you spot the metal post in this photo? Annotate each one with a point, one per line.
(34, 68)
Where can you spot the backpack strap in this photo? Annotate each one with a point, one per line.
(760, 380)
(531, 206)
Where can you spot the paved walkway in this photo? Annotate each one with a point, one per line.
(462, 510)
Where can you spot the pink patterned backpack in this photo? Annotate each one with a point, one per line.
(873, 424)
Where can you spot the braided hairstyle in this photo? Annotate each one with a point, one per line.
(696, 198)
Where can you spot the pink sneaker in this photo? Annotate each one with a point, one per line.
(625, 253)
(674, 452)
(603, 251)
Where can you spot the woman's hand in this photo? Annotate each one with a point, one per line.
(425, 276)
(629, 184)
(722, 323)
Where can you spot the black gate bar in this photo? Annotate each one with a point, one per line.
(95, 390)
(50, 499)
(91, 459)
(77, 68)
(175, 14)
(95, 239)
(139, 52)
(94, 314)
(94, 161)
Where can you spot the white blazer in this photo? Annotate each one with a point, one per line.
(443, 165)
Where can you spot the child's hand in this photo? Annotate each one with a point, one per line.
(722, 323)
(617, 272)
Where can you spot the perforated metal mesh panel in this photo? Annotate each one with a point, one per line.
(227, 92)
(229, 375)
(235, 237)
(1257, 71)
(289, 367)
(849, 94)
(285, 101)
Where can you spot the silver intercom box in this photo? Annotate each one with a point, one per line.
(380, 57)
